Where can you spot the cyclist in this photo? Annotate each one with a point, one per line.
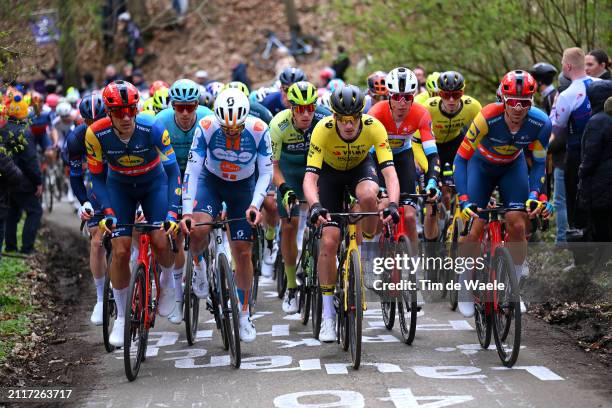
(338, 156)
(91, 109)
(377, 90)
(62, 124)
(221, 168)
(491, 155)
(277, 101)
(451, 114)
(403, 119)
(41, 126)
(142, 170)
(180, 120)
(290, 131)
(157, 85)
(431, 84)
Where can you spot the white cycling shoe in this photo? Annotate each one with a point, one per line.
(199, 283)
(290, 305)
(96, 315)
(523, 307)
(267, 270)
(270, 253)
(166, 302)
(116, 336)
(328, 330)
(247, 329)
(176, 317)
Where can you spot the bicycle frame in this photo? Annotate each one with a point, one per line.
(352, 245)
(149, 265)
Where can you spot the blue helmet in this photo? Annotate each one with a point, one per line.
(184, 90)
(92, 107)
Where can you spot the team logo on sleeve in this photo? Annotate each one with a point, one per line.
(166, 138)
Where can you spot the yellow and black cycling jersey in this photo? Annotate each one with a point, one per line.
(327, 146)
(448, 126)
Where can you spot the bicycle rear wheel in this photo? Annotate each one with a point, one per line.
(48, 191)
(229, 300)
(453, 294)
(355, 312)
(388, 313)
(407, 308)
(506, 310)
(191, 303)
(109, 312)
(305, 278)
(135, 333)
(310, 49)
(281, 278)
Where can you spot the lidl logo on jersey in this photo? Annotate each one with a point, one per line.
(130, 161)
(166, 138)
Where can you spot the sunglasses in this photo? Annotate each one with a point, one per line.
(517, 103)
(304, 108)
(120, 112)
(451, 94)
(398, 97)
(344, 119)
(182, 107)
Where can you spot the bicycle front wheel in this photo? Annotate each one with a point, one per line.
(229, 300)
(355, 307)
(407, 308)
(281, 278)
(109, 312)
(191, 303)
(506, 309)
(135, 332)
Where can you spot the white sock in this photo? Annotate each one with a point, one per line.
(244, 312)
(166, 280)
(120, 300)
(99, 282)
(329, 311)
(178, 284)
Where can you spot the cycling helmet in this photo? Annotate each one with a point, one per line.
(518, 83)
(431, 83)
(63, 109)
(120, 94)
(402, 80)
(214, 88)
(451, 81)
(52, 100)
(161, 99)
(543, 72)
(36, 99)
(185, 91)
(72, 95)
(376, 84)
(325, 100)
(92, 107)
(302, 93)
(335, 84)
(206, 99)
(327, 73)
(157, 85)
(564, 83)
(347, 100)
(18, 108)
(291, 75)
(237, 85)
(231, 107)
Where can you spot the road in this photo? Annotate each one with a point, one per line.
(286, 367)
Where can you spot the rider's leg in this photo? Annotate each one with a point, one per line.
(97, 264)
(326, 267)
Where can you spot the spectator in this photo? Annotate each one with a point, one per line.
(595, 171)
(88, 83)
(239, 70)
(53, 79)
(138, 80)
(127, 72)
(421, 77)
(131, 34)
(597, 64)
(571, 114)
(10, 177)
(181, 7)
(201, 77)
(544, 74)
(326, 75)
(19, 142)
(110, 74)
(341, 63)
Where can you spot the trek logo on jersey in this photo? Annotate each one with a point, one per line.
(130, 161)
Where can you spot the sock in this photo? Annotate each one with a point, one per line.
(329, 311)
(270, 233)
(178, 284)
(120, 301)
(166, 279)
(243, 298)
(290, 272)
(99, 282)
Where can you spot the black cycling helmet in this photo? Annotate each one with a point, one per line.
(92, 107)
(347, 100)
(451, 81)
(543, 73)
(291, 75)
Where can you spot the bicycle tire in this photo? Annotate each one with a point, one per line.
(261, 63)
(59, 189)
(191, 303)
(453, 294)
(135, 324)
(508, 311)
(305, 286)
(281, 277)
(315, 54)
(48, 192)
(388, 313)
(217, 302)
(109, 312)
(230, 309)
(407, 303)
(355, 312)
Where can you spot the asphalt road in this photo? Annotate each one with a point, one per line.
(286, 367)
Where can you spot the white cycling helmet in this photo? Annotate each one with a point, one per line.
(63, 109)
(325, 100)
(231, 107)
(402, 80)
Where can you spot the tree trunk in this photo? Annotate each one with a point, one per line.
(67, 44)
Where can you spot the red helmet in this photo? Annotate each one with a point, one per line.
(518, 83)
(52, 100)
(157, 85)
(376, 83)
(120, 94)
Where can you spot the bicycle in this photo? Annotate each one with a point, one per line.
(305, 48)
(223, 301)
(191, 303)
(450, 238)
(141, 305)
(497, 311)
(259, 239)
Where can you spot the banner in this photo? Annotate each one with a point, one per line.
(44, 29)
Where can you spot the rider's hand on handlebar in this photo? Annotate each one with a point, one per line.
(467, 210)
(318, 214)
(433, 190)
(107, 224)
(86, 211)
(171, 225)
(255, 219)
(391, 213)
(183, 224)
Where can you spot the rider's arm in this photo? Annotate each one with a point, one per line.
(466, 151)
(419, 154)
(161, 140)
(264, 166)
(385, 159)
(428, 141)
(392, 183)
(96, 168)
(195, 162)
(538, 147)
(276, 137)
(76, 147)
(314, 163)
